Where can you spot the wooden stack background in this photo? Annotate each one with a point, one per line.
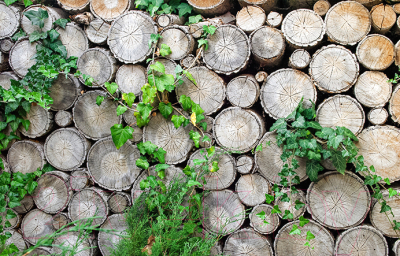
(264, 57)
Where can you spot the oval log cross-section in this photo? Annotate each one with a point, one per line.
(97, 31)
(251, 17)
(5, 79)
(21, 56)
(237, 129)
(66, 149)
(243, 91)
(266, 224)
(74, 39)
(244, 164)
(109, 10)
(208, 91)
(60, 220)
(63, 118)
(26, 156)
(379, 147)
(163, 133)
(383, 17)
(17, 239)
(9, 21)
(376, 52)
(334, 69)
(394, 105)
(251, 189)
(291, 206)
(74, 6)
(210, 7)
(179, 40)
(119, 202)
(92, 120)
(338, 201)
(79, 179)
(247, 242)
(27, 204)
(113, 168)
(378, 116)
(282, 91)
(48, 23)
(286, 244)
(373, 89)
(41, 122)
(35, 225)
(347, 22)
(129, 35)
(80, 245)
(228, 51)
(131, 78)
(64, 91)
(383, 221)
(341, 110)
(14, 221)
(109, 240)
(223, 212)
(299, 59)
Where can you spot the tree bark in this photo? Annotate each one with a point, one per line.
(286, 244)
(250, 18)
(338, 201)
(244, 164)
(347, 22)
(394, 105)
(230, 211)
(267, 46)
(283, 90)
(89, 202)
(26, 156)
(251, 189)
(379, 147)
(179, 40)
(35, 225)
(112, 168)
(63, 118)
(341, 110)
(131, 78)
(134, 26)
(109, 10)
(9, 20)
(118, 202)
(229, 50)
(274, 19)
(54, 14)
(98, 63)
(65, 91)
(334, 69)
(92, 120)
(209, 90)
(299, 59)
(267, 5)
(303, 28)
(383, 18)
(269, 162)
(226, 174)
(210, 7)
(21, 55)
(378, 116)
(108, 241)
(74, 39)
(369, 241)
(376, 52)
(97, 31)
(259, 225)
(237, 129)
(321, 7)
(247, 242)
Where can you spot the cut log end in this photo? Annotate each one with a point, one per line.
(251, 189)
(63, 118)
(60, 220)
(267, 46)
(290, 206)
(107, 10)
(6, 44)
(261, 76)
(247, 241)
(274, 19)
(35, 225)
(376, 52)
(383, 18)
(97, 31)
(119, 202)
(267, 224)
(245, 164)
(243, 91)
(250, 18)
(299, 59)
(26, 156)
(321, 7)
(378, 116)
(373, 89)
(179, 40)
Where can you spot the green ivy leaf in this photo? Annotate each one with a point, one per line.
(61, 23)
(214, 166)
(153, 37)
(140, 122)
(209, 29)
(184, 8)
(177, 120)
(312, 169)
(160, 167)
(26, 123)
(287, 215)
(129, 98)
(121, 109)
(111, 87)
(279, 124)
(300, 122)
(202, 42)
(189, 227)
(338, 161)
(158, 66)
(53, 35)
(146, 147)
(57, 46)
(10, 214)
(195, 19)
(385, 207)
(310, 236)
(36, 35)
(325, 133)
(142, 163)
(162, 82)
(387, 181)
(195, 136)
(192, 183)
(99, 100)
(269, 198)
(30, 187)
(276, 209)
(144, 110)
(295, 230)
(314, 125)
(165, 109)
(121, 135)
(298, 204)
(197, 109)
(9, 2)
(165, 50)
(19, 34)
(334, 141)
(160, 155)
(37, 17)
(149, 93)
(261, 215)
(392, 192)
(189, 76)
(186, 102)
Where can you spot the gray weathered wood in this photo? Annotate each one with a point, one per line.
(21, 55)
(41, 122)
(237, 129)
(36, 224)
(9, 20)
(40, 251)
(66, 149)
(290, 206)
(26, 156)
(63, 118)
(27, 204)
(74, 39)
(341, 110)
(179, 40)
(17, 239)
(54, 14)
(130, 120)
(97, 31)
(361, 240)
(378, 116)
(249, 18)
(209, 90)
(210, 7)
(267, 46)
(6, 44)
(347, 22)
(13, 221)
(383, 221)
(229, 50)
(376, 52)
(261, 76)
(64, 91)
(274, 19)
(5, 79)
(131, 78)
(72, 239)
(267, 5)
(226, 174)
(98, 63)
(334, 69)
(129, 35)
(259, 225)
(59, 220)
(282, 91)
(165, 20)
(92, 120)
(112, 168)
(251, 189)
(321, 7)
(79, 179)
(286, 244)
(118, 202)
(223, 212)
(247, 242)
(338, 201)
(244, 164)
(108, 241)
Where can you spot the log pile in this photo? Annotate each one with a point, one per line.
(264, 58)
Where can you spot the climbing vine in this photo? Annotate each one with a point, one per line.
(299, 135)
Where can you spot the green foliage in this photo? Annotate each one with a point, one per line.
(120, 135)
(207, 30)
(37, 17)
(159, 7)
(26, 2)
